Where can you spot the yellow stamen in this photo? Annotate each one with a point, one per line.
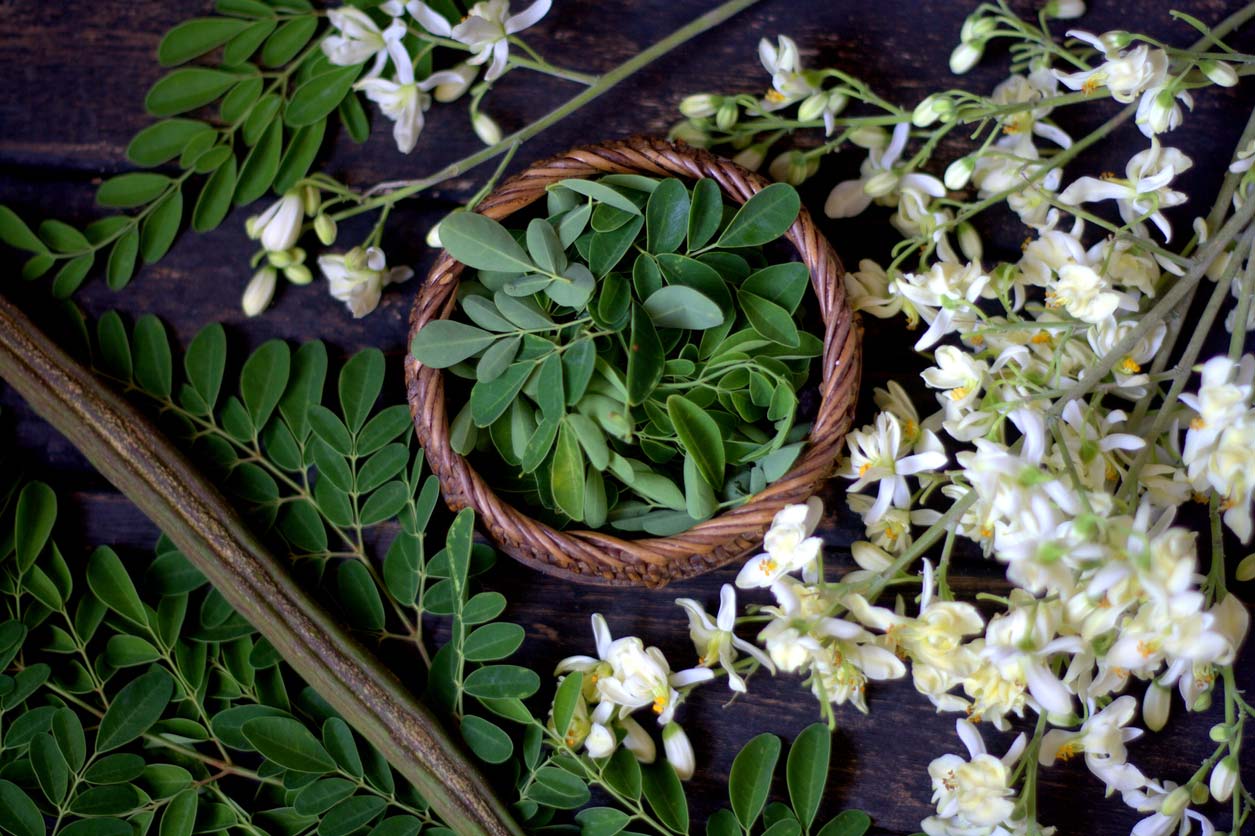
(1198, 423)
(862, 471)
(960, 392)
(1091, 84)
(660, 704)
(775, 96)
(1130, 366)
(1041, 338)
(769, 566)
(1147, 649)
(986, 532)
(977, 339)
(1067, 752)
(1107, 175)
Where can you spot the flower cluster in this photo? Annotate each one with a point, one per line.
(1061, 445)
(404, 97)
(624, 677)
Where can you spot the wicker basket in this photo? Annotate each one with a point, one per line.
(601, 558)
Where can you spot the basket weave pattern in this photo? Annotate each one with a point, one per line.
(602, 558)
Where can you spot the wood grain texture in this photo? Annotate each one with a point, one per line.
(75, 74)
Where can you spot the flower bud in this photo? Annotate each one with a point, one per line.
(433, 237)
(751, 157)
(600, 742)
(486, 129)
(280, 259)
(812, 107)
(881, 184)
(1176, 801)
(1202, 702)
(280, 225)
(259, 292)
(926, 112)
(727, 114)
(1219, 73)
(679, 751)
(871, 137)
(965, 56)
(1220, 733)
(700, 105)
(1199, 794)
(1116, 39)
(691, 134)
(638, 741)
(1065, 9)
(311, 200)
(792, 167)
(1224, 777)
(1156, 706)
(969, 242)
(977, 29)
(298, 274)
(453, 89)
(325, 229)
(959, 172)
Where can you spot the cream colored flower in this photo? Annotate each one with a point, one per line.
(357, 278)
(714, 640)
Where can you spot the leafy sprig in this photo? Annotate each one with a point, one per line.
(275, 92)
(638, 318)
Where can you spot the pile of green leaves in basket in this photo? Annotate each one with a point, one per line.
(653, 331)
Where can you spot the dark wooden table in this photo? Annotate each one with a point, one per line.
(75, 72)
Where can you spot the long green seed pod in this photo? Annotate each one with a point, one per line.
(137, 458)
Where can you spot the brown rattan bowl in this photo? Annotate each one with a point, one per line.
(597, 557)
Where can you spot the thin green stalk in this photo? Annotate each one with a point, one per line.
(129, 451)
(603, 84)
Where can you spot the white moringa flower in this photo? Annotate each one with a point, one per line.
(679, 751)
(787, 546)
(357, 278)
(279, 226)
(1245, 158)
(876, 457)
(1082, 293)
(868, 290)
(789, 83)
(1169, 808)
(259, 292)
(1101, 738)
(486, 29)
(403, 100)
(1144, 193)
(632, 676)
(878, 180)
(1124, 74)
(714, 640)
(972, 795)
(1224, 778)
(356, 41)
(1022, 125)
(1158, 111)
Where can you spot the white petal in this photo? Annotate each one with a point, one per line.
(430, 19)
(528, 17)
(971, 738)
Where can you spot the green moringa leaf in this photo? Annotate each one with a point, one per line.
(705, 213)
(677, 306)
(700, 436)
(784, 284)
(193, 38)
(599, 191)
(566, 474)
(769, 319)
(483, 244)
(443, 342)
(764, 217)
(749, 782)
(135, 709)
(666, 217)
(807, 770)
(288, 743)
(645, 358)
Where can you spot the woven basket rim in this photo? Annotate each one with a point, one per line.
(598, 557)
